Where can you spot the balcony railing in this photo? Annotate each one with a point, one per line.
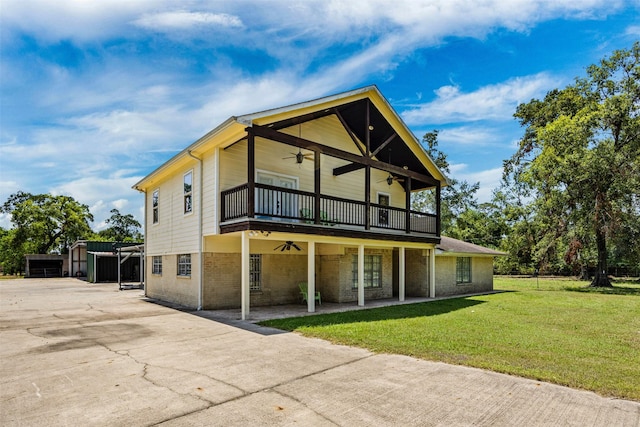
(284, 204)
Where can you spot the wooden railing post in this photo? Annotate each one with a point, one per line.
(316, 187)
(251, 173)
(407, 198)
(438, 225)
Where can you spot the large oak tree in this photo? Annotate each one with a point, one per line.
(580, 154)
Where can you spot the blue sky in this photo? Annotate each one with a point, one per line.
(96, 94)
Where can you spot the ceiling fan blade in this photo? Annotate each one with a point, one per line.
(295, 246)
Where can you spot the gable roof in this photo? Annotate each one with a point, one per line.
(386, 131)
(450, 245)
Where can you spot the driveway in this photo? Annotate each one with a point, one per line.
(74, 353)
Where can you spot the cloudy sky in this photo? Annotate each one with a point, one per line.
(96, 94)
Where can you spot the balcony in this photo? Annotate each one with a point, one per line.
(281, 209)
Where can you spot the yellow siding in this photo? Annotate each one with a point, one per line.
(210, 209)
(175, 232)
(272, 157)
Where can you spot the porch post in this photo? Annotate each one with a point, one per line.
(245, 292)
(361, 275)
(407, 203)
(401, 273)
(438, 207)
(432, 272)
(251, 172)
(311, 277)
(316, 187)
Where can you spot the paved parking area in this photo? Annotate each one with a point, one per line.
(73, 353)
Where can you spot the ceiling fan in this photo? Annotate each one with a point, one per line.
(299, 156)
(286, 246)
(391, 179)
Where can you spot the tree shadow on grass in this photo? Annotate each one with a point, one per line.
(625, 289)
(431, 308)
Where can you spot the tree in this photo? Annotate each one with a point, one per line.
(42, 224)
(455, 199)
(580, 155)
(123, 228)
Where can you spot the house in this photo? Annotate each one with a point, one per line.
(98, 261)
(463, 268)
(317, 193)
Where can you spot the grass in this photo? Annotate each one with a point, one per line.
(10, 277)
(546, 329)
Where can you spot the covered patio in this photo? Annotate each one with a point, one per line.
(259, 314)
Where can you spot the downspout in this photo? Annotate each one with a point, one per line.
(200, 257)
(143, 253)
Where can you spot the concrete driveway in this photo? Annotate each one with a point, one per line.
(74, 353)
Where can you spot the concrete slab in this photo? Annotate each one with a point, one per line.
(74, 353)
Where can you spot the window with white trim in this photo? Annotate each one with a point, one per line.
(372, 271)
(255, 270)
(184, 265)
(463, 270)
(154, 203)
(156, 266)
(188, 192)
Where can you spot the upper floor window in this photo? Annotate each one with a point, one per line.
(188, 192)
(154, 203)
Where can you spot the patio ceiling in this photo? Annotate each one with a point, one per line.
(385, 145)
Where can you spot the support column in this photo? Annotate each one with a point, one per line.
(361, 275)
(311, 277)
(401, 273)
(432, 273)
(245, 292)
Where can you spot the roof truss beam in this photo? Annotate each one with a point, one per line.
(274, 135)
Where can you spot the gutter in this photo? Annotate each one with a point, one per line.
(200, 237)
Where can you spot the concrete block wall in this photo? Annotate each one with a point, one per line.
(481, 276)
(337, 270)
(281, 274)
(170, 287)
(417, 273)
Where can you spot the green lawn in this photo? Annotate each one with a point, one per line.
(550, 330)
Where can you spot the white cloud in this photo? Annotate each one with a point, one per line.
(492, 102)
(633, 30)
(187, 20)
(102, 194)
(469, 135)
(489, 179)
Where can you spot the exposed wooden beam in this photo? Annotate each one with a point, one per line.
(301, 119)
(384, 144)
(274, 135)
(367, 131)
(351, 167)
(350, 132)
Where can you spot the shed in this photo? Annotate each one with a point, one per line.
(98, 261)
(45, 265)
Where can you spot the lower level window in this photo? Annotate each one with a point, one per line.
(255, 269)
(463, 270)
(157, 265)
(372, 271)
(184, 265)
